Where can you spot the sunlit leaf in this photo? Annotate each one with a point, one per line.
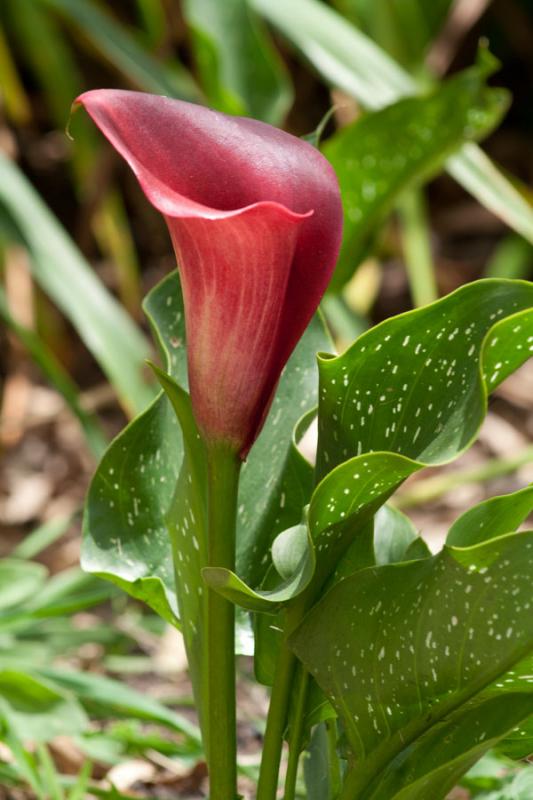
(19, 581)
(413, 384)
(348, 59)
(382, 153)
(492, 518)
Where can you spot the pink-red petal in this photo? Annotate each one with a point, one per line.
(255, 218)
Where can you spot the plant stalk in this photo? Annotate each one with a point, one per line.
(267, 786)
(221, 747)
(295, 739)
(417, 247)
(277, 712)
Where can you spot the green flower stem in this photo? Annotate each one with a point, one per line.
(277, 713)
(295, 738)
(221, 746)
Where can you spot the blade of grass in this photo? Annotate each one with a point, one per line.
(60, 269)
(24, 762)
(429, 489)
(51, 779)
(14, 97)
(241, 72)
(417, 247)
(116, 44)
(348, 59)
(41, 538)
(513, 258)
(79, 790)
(113, 230)
(48, 53)
(151, 14)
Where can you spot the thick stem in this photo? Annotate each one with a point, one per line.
(295, 737)
(223, 482)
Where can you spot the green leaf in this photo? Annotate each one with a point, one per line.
(36, 710)
(19, 581)
(113, 698)
(412, 385)
(403, 29)
(45, 51)
(67, 592)
(348, 59)
(118, 46)
(492, 518)
(394, 535)
(276, 480)
(518, 744)
(294, 560)
(80, 789)
(385, 152)
(24, 765)
(346, 500)
(186, 522)
(512, 258)
(62, 272)
(125, 533)
(241, 71)
(423, 688)
(509, 345)
(407, 394)
(317, 766)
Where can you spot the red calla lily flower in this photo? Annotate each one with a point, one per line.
(255, 219)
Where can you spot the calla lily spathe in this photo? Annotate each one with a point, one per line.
(255, 220)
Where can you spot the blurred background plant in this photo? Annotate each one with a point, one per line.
(398, 94)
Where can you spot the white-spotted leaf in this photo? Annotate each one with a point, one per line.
(400, 649)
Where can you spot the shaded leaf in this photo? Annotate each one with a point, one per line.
(394, 535)
(403, 29)
(125, 533)
(293, 558)
(34, 709)
(114, 697)
(62, 272)
(418, 688)
(120, 48)
(241, 72)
